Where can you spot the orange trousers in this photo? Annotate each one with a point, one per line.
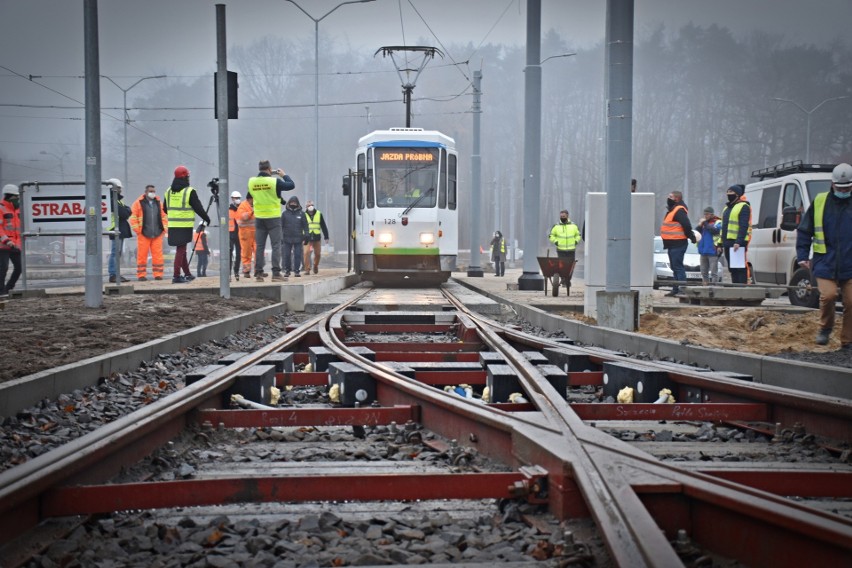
(247, 248)
(155, 247)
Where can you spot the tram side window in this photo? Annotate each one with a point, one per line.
(793, 198)
(769, 207)
(362, 180)
(451, 181)
(442, 193)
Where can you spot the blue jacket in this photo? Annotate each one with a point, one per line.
(836, 263)
(706, 246)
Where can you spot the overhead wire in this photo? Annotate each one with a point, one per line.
(31, 79)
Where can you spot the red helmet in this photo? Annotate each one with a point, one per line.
(181, 172)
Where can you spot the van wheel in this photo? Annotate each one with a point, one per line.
(803, 295)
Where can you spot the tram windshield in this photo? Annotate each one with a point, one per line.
(406, 177)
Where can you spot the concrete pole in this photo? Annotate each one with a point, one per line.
(94, 226)
(530, 279)
(476, 181)
(224, 193)
(616, 306)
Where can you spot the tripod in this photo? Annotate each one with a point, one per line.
(213, 197)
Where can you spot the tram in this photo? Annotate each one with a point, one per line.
(403, 207)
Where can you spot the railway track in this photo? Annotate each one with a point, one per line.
(715, 476)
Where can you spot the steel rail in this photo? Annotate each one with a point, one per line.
(621, 486)
(100, 454)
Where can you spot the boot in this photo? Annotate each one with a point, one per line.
(822, 336)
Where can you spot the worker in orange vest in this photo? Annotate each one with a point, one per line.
(676, 230)
(10, 237)
(150, 222)
(202, 252)
(245, 223)
(234, 249)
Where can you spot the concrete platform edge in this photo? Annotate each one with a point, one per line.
(823, 380)
(24, 392)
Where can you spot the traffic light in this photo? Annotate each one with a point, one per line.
(233, 106)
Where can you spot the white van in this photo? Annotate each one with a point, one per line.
(778, 202)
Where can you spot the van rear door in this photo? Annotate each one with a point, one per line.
(761, 249)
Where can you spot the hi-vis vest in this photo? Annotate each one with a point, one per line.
(314, 224)
(734, 222)
(267, 205)
(819, 232)
(565, 236)
(671, 230)
(180, 213)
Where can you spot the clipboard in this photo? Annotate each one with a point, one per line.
(737, 259)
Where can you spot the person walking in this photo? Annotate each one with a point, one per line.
(266, 191)
(149, 221)
(117, 242)
(234, 247)
(736, 232)
(498, 253)
(182, 204)
(10, 237)
(202, 252)
(709, 246)
(294, 231)
(566, 236)
(317, 231)
(827, 225)
(676, 230)
(245, 220)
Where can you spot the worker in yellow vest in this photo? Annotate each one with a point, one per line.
(827, 225)
(736, 230)
(317, 231)
(266, 191)
(181, 204)
(566, 236)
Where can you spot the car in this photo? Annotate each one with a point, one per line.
(691, 262)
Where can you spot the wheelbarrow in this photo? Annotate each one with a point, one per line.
(556, 270)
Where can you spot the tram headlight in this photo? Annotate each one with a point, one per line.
(427, 238)
(385, 238)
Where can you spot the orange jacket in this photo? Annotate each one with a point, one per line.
(10, 226)
(671, 229)
(232, 219)
(245, 215)
(136, 215)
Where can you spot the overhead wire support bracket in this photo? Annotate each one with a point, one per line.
(408, 83)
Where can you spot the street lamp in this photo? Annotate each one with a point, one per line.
(61, 161)
(808, 113)
(126, 117)
(316, 80)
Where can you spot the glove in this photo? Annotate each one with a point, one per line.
(200, 227)
(305, 242)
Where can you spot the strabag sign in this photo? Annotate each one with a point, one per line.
(61, 209)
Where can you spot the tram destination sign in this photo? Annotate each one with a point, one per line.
(60, 208)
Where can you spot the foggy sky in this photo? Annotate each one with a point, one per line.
(177, 38)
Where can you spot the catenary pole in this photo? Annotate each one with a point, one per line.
(224, 193)
(94, 224)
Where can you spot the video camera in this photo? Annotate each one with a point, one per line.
(213, 184)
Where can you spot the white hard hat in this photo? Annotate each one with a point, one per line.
(115, 182)
(842, 176)
(11, 189)
(697, 235)
(235, 194)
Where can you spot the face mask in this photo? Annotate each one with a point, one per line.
(235, 201)
(151, 195)
(293, 206)
(732, 197)
(842, 194)
(564, 219)
(670, 202)
(14, 200)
